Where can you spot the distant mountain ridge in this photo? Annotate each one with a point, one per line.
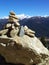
(39, 24)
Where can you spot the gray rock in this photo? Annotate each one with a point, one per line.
(21, 32)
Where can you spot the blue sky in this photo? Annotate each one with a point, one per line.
(27, 7)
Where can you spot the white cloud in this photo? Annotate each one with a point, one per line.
(22, 16)
(5, 17)
(46, 16)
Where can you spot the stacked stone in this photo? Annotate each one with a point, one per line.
(13, 25)
(13, 28)
(29, 32)
(13, 19)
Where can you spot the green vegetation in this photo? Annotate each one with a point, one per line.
(43, 40)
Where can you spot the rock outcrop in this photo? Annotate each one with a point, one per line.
(19, 44)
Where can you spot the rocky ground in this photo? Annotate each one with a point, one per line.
(20, 46)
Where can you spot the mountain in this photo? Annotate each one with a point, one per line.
(3, 22)
(39, 24)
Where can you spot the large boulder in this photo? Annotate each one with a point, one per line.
(25, 50)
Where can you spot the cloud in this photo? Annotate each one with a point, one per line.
(46, 16)
(5, 17)
(22, 16)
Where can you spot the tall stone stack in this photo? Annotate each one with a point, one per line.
(12, 25)
(13, 18)
(13, 28)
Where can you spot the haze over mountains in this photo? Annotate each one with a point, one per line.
(39, 24)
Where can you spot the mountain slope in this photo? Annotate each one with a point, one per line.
(39, 24)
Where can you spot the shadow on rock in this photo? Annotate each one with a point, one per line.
(3, 62)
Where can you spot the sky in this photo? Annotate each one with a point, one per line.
(27, 7)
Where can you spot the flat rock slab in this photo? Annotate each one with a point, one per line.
(4, 39)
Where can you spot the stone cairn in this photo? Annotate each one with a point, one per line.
(13, 28)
